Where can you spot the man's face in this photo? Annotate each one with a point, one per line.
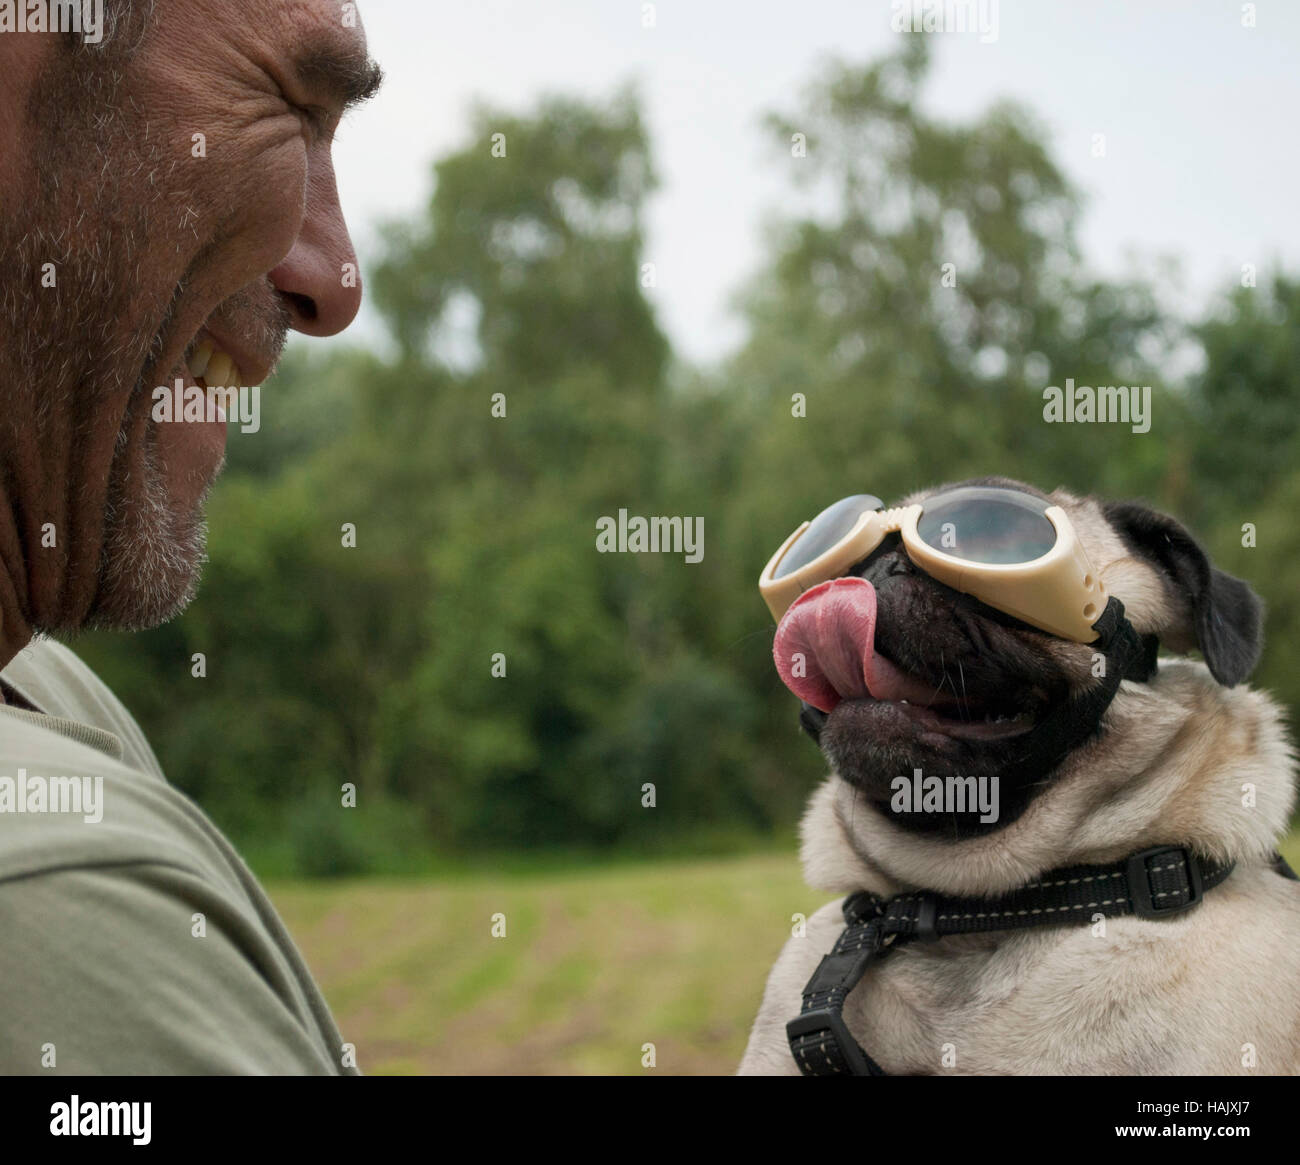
(165, 200)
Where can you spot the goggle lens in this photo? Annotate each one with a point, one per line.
(827, 529)
(987, 525)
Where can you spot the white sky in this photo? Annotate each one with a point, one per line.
(1198, 114)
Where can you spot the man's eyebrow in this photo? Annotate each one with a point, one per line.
(345, 75)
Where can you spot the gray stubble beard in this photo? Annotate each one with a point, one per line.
(68, 350)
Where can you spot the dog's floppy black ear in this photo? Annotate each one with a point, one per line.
(1227, 616)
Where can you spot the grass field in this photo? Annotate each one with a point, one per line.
(595, 963)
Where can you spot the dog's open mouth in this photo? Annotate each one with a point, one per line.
(966, 721)
(825, 651)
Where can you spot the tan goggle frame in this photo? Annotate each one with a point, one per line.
(1059, 593)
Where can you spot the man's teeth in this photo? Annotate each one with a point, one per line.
(214, 366)
(219, 369)
(199, 361)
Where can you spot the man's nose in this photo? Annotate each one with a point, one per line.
(319, 279)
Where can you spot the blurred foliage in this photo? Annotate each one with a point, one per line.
(476, 534)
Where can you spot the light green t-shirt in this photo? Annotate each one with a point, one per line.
(105, 966)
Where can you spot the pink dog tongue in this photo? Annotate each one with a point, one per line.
(825, 648)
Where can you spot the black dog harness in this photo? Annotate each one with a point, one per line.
(1156, 883)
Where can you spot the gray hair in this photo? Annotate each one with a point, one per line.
(126, 24)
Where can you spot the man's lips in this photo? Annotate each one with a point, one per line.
(825, 654)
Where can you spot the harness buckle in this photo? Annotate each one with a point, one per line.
(927, 913)
(1139, 881)
(828, 1021)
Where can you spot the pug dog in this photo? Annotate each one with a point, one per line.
(1188, 757)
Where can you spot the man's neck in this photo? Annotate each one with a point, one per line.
(15, 624)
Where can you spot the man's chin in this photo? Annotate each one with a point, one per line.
(151, 591)
(151, 565)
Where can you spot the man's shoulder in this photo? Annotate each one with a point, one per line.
(79, 785)
(106, 871)
(53, 679)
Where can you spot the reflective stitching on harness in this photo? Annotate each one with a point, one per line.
(1071, 881)
(1040, 910)
(896, 913)
(1090, 878)
(1069, 909)
(821, 1047)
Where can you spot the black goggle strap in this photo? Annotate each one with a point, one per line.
(1132, 654)
(1129, 656)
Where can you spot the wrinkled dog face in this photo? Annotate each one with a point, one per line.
(980, 683)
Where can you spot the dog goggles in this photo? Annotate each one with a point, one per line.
(1010, 550)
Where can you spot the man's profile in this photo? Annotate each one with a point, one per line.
(168, 213)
